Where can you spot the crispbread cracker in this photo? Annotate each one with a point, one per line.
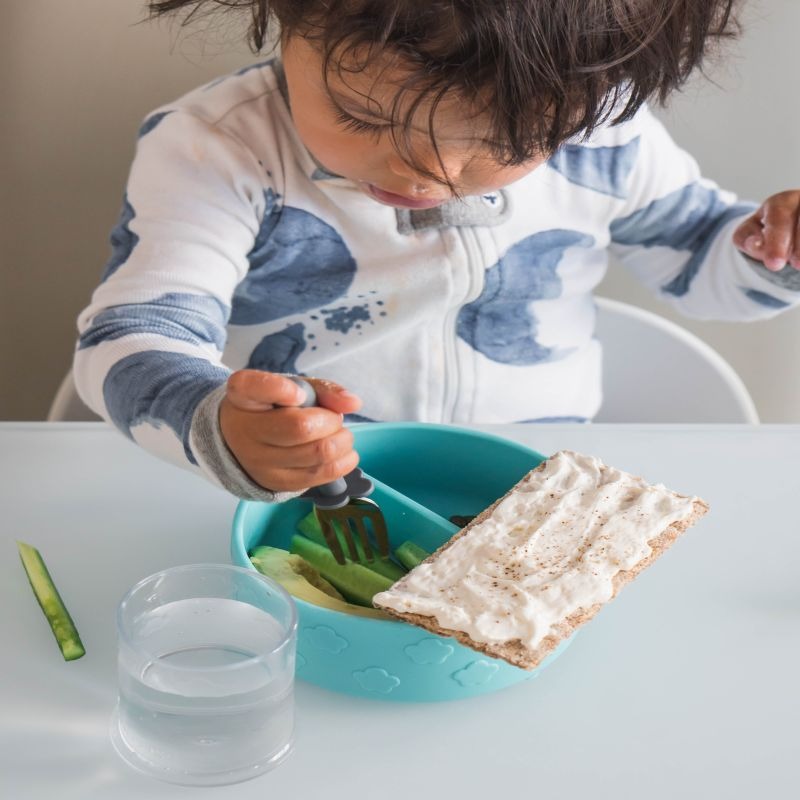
(514, 651)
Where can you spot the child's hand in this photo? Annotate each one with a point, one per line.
(287, 448)
(772, 234)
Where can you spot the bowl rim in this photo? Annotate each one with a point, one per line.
(441, 427)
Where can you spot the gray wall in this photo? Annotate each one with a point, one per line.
(77, 77)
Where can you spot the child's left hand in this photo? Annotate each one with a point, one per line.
(772, 234)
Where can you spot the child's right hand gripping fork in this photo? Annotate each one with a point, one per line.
(344, 501)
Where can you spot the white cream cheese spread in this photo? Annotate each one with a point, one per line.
(548, 549)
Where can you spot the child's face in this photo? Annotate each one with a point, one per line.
(343, 127)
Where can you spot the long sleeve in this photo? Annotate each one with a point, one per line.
(675, 235)
(149, 357)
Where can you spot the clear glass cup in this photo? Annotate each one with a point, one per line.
(206, 675)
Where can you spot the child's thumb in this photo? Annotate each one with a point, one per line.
(254, 390)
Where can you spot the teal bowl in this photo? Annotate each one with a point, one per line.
(423, 474)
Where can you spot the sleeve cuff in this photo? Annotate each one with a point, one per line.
(219, 463)
(786, 278)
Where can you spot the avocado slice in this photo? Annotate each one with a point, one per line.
(302, 581)
(277, 564)
(410, 554)
(309, 526)
(357, 583)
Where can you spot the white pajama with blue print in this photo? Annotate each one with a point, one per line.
(236, 249)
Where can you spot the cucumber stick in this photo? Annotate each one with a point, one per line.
(358, 584)
(309, 526)
(410, 554)
(54, 609)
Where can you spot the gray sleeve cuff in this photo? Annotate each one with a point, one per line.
(211, 451)
(786, 278)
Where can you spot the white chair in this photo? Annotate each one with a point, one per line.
(67, 406)
(656, 371)
(653, 371)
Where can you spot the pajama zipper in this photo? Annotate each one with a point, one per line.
(452, 369)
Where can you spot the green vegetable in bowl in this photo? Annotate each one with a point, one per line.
(304, 582)
(410, 554)
(357, 583)
(309, 526)
(52, 605)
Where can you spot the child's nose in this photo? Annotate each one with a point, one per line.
(445, 167)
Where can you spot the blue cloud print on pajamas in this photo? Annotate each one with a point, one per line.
(764, 299)
(686, 219)
(151, 122)
(278, 352)
(603, 169)
(786, 278)
(123, 239)
(298, 263)
(500, 324)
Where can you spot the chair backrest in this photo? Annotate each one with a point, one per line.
(67, 406)
(657, 371)
(653, 371)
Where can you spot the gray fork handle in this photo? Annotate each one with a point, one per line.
(336, 493)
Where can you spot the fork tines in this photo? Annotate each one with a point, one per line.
(351, 519)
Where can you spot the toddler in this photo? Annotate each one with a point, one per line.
(413, 205)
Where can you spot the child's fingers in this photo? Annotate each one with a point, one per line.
(749, 237)
(311, 464)
(281, 479)
(288, 448)
(311, 455)
(794, 256)
(772, 234)
(335, 397)
(289, 427)
(254, 390)
(779, 218)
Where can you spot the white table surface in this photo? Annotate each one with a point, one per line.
(686, 686)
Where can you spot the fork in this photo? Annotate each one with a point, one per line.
(344, 501)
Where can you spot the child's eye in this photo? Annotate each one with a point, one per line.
(357, 125)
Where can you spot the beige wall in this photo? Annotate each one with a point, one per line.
(77, 77)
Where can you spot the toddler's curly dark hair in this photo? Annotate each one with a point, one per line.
(543, 71)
